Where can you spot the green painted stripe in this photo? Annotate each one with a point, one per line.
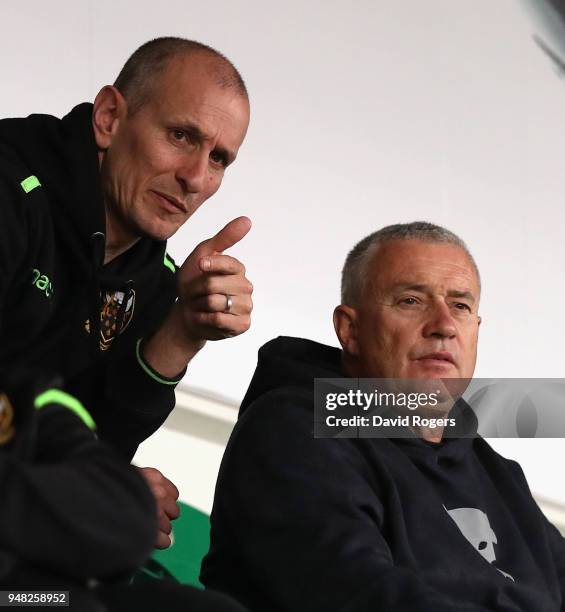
(169, 264)
(149, 371)
(30, 183)
(56, 396)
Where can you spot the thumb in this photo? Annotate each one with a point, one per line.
(229, 235)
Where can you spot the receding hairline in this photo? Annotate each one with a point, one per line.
(366, 251)
(216, 69)
(374, 249)
(216, 65)
(143, 70)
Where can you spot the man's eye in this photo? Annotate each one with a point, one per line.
(462, 306)
(409, 301)
(218, 158)
(179, 135)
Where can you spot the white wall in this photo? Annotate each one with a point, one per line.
(364, 114)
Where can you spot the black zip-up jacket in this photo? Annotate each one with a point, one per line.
(60, 308)
(364, 525)
(71, 508)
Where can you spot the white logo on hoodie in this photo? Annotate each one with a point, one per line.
(475, 526)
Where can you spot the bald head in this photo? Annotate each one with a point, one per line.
(140, 75)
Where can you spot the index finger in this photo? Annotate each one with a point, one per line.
(229, 235)
(171, 509)
(172, 488)
(221, 264)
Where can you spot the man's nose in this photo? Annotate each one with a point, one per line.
(192, 173)
(440, 322)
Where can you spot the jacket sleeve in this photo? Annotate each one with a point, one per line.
(14, 233)
(296, 522)
(135, 399)
(74, 507)
(557, 545)
(555, 540)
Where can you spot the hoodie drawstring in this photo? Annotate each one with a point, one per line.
(128, 289)
(98, 248)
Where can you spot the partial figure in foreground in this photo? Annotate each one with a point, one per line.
(419, 523)
(75, 516)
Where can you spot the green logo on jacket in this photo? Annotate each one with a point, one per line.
(42, 282)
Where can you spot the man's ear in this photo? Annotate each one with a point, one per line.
(346, 328)
(110, 107)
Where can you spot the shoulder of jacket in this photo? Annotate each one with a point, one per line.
(16, 179)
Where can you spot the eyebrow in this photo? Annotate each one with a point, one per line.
(427, 289)
(197, 133)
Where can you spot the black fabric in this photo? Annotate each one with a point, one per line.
(72, 509)
(121, 597)
(304, 524)
(52, 278)
(150, 597)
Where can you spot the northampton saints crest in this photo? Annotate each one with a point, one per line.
(114, 316)
(7, 430)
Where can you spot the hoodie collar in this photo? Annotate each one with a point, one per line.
(295, 362)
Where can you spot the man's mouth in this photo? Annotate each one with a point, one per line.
(441, 358)
(171, 201)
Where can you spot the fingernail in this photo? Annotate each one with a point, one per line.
(205, 263)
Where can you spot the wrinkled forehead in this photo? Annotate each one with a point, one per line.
(187, 97)
(440, 266)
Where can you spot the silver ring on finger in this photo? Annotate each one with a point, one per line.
(229, 303)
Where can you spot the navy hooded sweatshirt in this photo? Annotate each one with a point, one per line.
(62, 311)
(367, 525)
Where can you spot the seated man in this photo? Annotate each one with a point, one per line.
(418, 523)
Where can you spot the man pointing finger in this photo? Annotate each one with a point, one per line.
(214, 302)
(86, 287)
